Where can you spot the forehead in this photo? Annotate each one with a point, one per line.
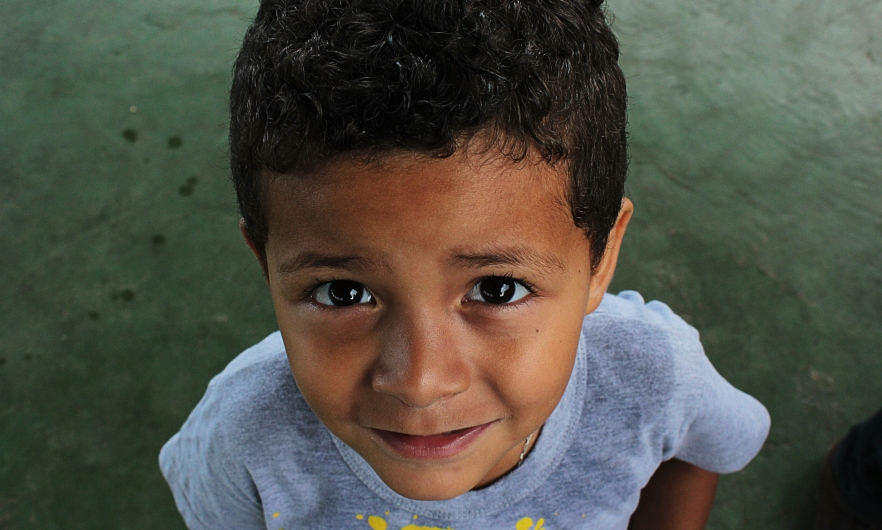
(408, 201)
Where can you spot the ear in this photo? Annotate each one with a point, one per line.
(259, 254)
(603, 275)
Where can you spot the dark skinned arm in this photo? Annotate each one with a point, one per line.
(679, 496)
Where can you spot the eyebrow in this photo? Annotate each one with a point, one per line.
(320, 260)
(464, 260)
(508, 257)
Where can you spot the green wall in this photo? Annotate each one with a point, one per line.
(756, 134)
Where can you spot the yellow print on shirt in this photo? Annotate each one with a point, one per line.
(378, 523)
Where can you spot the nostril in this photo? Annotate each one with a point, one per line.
(420, 388)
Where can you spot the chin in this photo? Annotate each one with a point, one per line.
(425, 487)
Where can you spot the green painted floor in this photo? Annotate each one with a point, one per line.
(124, 286)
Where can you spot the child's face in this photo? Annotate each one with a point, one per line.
(421, 296)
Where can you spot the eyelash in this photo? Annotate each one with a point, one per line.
(509, 276)
(309, 290)
(313, 285)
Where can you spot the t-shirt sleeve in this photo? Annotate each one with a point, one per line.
(722, 428)
(210, 483)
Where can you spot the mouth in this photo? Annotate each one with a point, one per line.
(433, 446)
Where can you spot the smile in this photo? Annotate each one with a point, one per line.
(434, 446)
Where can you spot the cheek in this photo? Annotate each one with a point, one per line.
(330, 364)
(530, 368)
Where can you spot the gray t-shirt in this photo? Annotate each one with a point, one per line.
(252, 455)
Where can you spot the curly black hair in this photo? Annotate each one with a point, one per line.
(319, 78)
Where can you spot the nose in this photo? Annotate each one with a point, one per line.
(421, 362)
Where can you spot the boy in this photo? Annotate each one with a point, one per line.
(434, 192)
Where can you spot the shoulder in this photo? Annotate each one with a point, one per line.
(256, 384)
(652, 365)
(254, 396)
(206, 464)
(237, 398)
(256, 373)
(627, 311)
(253, 361)
(647, 339)
(645, 362)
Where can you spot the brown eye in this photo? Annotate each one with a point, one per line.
(497, 290)
(341, 293)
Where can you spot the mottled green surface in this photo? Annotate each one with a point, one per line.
(757, 148)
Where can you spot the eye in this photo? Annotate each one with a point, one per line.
(498, 290)
(341, 293)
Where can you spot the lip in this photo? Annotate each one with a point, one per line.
(431, 447)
